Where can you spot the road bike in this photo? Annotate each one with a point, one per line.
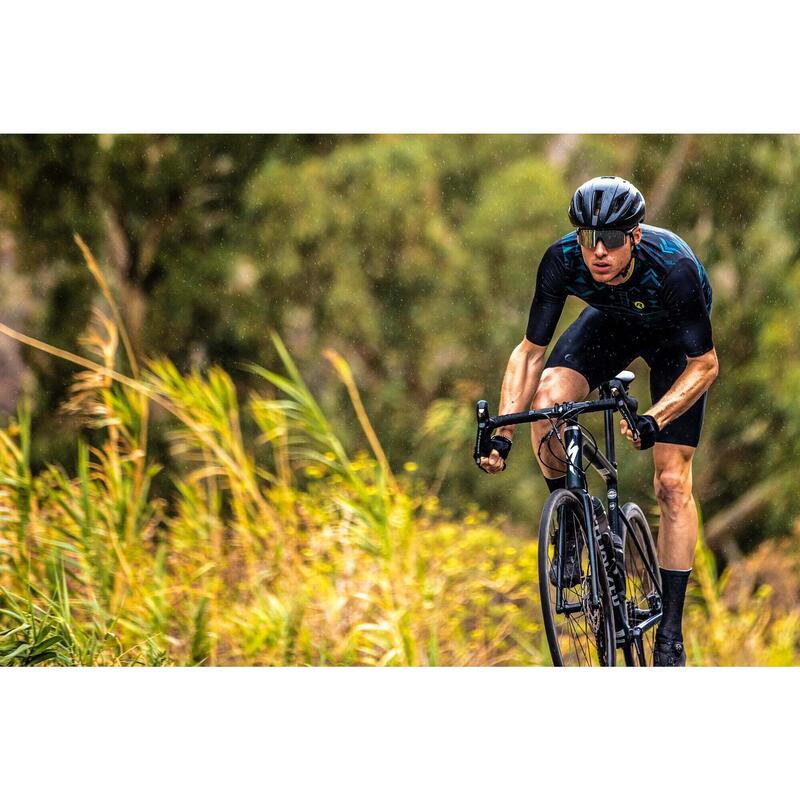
(604, 594)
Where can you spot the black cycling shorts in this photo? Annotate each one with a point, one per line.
(599, 347)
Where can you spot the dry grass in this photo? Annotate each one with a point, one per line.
(285, 549)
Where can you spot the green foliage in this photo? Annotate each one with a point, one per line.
(326, 559)
(414, 257)
(283, 550)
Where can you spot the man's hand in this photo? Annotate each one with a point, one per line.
(496, 461)
(646, 427)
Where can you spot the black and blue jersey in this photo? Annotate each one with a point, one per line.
(666, 291)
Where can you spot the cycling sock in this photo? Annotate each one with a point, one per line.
(673, 585)
(556, 483)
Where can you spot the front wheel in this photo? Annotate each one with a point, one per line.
(643, 580)
(581, 634)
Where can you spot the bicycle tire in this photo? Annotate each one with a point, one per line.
(581, 638)
(643, 585)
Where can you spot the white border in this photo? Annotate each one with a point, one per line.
(398, 733)
(444, 66)
(434, 66)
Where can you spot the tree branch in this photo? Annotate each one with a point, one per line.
(721, 530)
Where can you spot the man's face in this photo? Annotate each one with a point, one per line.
(606, 265)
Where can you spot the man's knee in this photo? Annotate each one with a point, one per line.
(673, 489)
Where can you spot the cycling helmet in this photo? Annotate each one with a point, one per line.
(607, 202)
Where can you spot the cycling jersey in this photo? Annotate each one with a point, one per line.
(665, 293)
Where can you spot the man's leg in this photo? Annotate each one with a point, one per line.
(557, 385)
(678, 528)
(592, 349)
(677, 538)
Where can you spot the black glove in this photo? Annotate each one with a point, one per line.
(503, 446)
(648, 430)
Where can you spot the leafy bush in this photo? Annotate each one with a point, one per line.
(281, 548)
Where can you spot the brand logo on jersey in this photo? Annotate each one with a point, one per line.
(639, 304)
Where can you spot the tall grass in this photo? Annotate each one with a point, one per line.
(281, 550)
(277, 549)
(284, 549)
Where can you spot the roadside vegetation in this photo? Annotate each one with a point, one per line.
(278, 546)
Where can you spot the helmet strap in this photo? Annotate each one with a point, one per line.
(625, 272)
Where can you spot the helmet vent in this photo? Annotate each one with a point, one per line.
(598, 201)
(607, 202)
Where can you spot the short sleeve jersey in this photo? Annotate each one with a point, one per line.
(667, 290)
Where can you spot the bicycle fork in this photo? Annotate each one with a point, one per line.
(573, 443)
(575, 479)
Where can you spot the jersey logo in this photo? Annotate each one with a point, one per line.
(639, 304)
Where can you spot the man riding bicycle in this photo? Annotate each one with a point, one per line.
(648, 295)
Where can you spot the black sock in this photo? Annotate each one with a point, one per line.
(556, 483)
(673, 585)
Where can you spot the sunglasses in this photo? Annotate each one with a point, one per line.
(589, 237)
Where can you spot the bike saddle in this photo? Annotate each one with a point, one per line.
(619, 384)
(626, 377)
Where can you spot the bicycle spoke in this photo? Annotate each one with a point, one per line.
(640, 587)
(580, 636)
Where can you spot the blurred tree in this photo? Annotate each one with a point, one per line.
(414, 256)
(161, 211)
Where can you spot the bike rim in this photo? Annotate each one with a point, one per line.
(585, 636)
(641, 591)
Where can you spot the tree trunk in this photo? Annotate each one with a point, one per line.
(721, 530)
(561, 148)
(659, 195)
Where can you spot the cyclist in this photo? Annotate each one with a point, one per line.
(647, 295)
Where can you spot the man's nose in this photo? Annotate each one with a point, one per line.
(600, 249)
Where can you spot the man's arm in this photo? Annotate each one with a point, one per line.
(520, 383)
(526, 363)
(701, 371)
(683, 295)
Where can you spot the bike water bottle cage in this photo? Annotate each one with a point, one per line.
(611, 238)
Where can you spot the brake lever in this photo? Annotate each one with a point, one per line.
(483, 438)
(622, 405)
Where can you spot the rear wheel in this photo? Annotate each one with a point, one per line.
(643, 580)
(580, 635)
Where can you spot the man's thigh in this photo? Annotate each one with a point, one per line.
(557, 385)
(560, 385)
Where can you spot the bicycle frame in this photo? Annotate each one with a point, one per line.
(628, 637)
(613, 397)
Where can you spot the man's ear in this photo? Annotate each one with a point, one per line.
(637, 234)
